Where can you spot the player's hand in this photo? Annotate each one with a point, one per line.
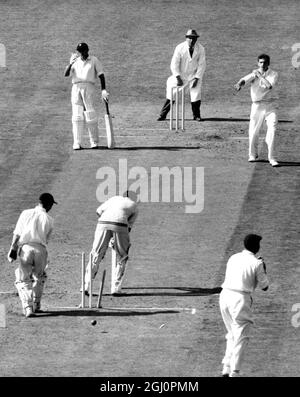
(73, 58)
(256, 73)
(237, 86)
(12, 255)
(195, 82)
(263, 263)
(179, 81)
(104, 95)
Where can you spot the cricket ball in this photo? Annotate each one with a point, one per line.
(93, 322)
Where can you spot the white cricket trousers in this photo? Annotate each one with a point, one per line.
(237, 316)
(31, 274)
(195, 93)
(83, 99)
(260, 112)
(100, 245)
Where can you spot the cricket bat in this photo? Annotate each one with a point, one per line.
(109, 128)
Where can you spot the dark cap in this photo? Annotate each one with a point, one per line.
(82, 47)
(47, 198)
(251, 240)
(191, 33)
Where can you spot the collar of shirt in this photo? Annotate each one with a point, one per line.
(245, 251)
(40, 208)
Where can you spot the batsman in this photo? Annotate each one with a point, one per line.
(84, 70)
(116, 218)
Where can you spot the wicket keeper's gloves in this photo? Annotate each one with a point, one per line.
(179, 81)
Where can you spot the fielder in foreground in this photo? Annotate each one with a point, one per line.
(116, 216)
(263, 107)
(187, 65)
(30, 239)
(84, 70)
(244, 272)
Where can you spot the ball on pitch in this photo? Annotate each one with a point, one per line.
(93, 322)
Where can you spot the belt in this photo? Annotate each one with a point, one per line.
(236, 290)
(84, 82)
(113, 223)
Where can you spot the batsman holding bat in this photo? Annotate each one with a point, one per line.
(116, 217)
(84, 70)
(244, 272)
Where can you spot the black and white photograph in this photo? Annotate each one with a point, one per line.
(150, 191)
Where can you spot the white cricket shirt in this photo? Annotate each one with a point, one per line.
(86, 71)
(244, 272)
(259, 91)
(118, 209)
(34, 226)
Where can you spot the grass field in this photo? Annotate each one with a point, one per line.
(177, 259)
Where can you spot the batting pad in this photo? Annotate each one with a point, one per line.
(91, 116)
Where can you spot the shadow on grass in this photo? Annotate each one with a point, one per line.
(174, 148)
(161, 291)
(102, 312)
(232, 119)
(289, 163)
(280, 163)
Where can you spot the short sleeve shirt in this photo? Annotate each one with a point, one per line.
(244, 272)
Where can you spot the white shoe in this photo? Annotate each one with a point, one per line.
(226, 370)
(234, 374)
(273, 163)
(76, 146)
(116, 292)
(94, 146)
(29, 312)
(252, 159)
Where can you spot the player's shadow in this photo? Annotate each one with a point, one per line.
(233, 119)
(288, 163)
(280, 163)
(171, 148)
(102, 312)
(229, 119)
(171, 291)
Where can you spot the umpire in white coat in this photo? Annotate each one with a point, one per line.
(187, 66)
(244, 272)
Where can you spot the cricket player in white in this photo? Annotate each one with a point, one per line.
(244, 272)
(187, 66)
(263, 107)
(85, 70)
(30, 239)
(116, 216)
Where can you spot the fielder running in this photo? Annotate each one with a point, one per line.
(263, 106)
(84, 70)
(116, 217)
(30, 239)
(187, 65)
(244, 272)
